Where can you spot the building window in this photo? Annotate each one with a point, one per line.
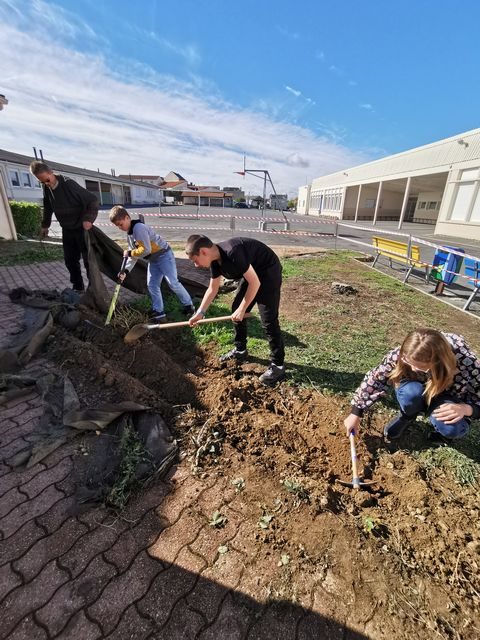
(422, 205)
(432, 205)
(369, 203)
(26, 182)
(14, 179)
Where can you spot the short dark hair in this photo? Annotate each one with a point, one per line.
(118, 213)
(37, 167)
(195, 243)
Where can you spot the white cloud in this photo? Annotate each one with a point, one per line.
(293, 35)
(367, 106)
(299, 94)
(80, 111)
(320, 55)
(294, 91)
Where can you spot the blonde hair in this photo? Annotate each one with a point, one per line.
(118, 213)
(432, 348)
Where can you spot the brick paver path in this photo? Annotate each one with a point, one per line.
(154, 573)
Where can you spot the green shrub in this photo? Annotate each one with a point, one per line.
(27, 217)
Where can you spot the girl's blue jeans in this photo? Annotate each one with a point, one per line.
(165, 267)
(411, 400)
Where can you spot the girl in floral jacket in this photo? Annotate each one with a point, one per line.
(432, 372)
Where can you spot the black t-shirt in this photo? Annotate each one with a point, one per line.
(237, 254)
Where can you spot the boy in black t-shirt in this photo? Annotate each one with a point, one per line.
(260, 274)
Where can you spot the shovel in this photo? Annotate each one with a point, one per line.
(115, 295)
(357, 482)
(139, 330)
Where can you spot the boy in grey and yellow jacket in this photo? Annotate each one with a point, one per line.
(144, 242)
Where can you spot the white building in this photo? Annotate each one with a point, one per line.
(109, 189)
(438, 184)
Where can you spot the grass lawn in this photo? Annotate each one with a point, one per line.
(24, 252)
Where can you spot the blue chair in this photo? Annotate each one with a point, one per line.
(472, 270)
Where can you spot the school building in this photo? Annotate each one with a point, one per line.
(436, 184)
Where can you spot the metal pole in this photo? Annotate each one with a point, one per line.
(264, 192)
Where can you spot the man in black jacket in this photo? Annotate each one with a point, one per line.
(75, 209)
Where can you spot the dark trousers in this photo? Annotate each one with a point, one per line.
(74, 247)
(268, 301)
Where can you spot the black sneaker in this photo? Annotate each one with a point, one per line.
(436, 439)
(234, 354)
(158, 318)
(396, 427)
(272, 375)
(188, 310)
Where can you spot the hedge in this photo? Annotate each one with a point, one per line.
(27, 217)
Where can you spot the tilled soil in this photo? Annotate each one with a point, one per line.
(398, 561)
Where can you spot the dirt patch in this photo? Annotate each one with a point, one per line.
(398, 562)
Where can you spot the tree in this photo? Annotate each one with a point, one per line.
(292, 204)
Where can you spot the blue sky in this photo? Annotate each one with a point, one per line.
(303, 88)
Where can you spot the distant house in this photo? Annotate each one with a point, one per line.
(207, 198)
(109, 189)
(279, 201)
(158, 180)
(237, 194)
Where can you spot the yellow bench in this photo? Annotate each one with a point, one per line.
(398, 251)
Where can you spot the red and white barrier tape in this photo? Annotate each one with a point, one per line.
(213, 216)
(272, 231)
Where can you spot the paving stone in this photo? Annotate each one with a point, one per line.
(29, 510)
(22, 431)
(75, 595)
(48, 477)
(124, 590)
(11, 500)
(25, 599)
(170, 541)
(81, 628)
(28, 629)
(27, 397)
(17, 477)
(14, 411)
(66, 450)
(5, 427)
(12, 448)
(49, 548)
(133, 540)
(18, 544)
(183, 496)
(90, 545)
(152, 497)
(133, 627)
(227, 569)
(233, 622)
(184, 623)
(313, 626)
(169, 587)
(244, 540)
(279, 621)
(210, 538)
(57, 514)
(216, 496)
(8, 580)
(207, 597)
(28, 415)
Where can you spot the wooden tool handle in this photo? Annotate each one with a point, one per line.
(185, 323)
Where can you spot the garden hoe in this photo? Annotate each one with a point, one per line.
(139, 330)
(115, 295)
(357, 482)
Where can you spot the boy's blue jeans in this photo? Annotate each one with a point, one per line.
(165, 267)
(411, 401)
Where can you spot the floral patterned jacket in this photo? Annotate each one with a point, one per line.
(465, 386)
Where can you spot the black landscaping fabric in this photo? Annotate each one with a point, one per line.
(97, 473)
